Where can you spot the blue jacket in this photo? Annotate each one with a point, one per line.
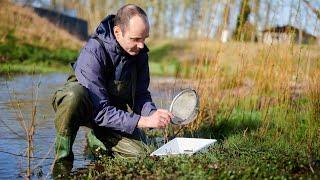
(90, 70)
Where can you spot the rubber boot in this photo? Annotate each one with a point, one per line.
(64, 156)
(97, 148)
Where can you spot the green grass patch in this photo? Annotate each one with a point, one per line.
(162, 53)
(20, 53)
(164, 69)
(24, 68)
(26, 58)
(241, 153)
(162, 60)
(235, 158)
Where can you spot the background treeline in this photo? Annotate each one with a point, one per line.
(201, 18)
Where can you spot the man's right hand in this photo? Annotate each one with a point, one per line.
(159, 119)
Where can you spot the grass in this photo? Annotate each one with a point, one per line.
(232, 162)
(29, 69)
(260, 102)
(240, 154)
(27, 58)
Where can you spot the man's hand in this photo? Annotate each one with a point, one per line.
(159, 119)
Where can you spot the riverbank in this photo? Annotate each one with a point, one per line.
(156, 69)
(17, 58)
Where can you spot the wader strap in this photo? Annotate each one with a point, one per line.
(133, 84)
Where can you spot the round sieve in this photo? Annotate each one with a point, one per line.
(185, 107)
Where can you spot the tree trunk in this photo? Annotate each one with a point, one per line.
(256, 20)
(242, 18)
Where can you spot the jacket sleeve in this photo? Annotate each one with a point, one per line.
(144, 104)
(90, 72)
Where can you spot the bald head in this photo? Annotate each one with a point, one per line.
(127, 12)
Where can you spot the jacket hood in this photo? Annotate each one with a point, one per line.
(105, 31)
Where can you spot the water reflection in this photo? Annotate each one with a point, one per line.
(18, 91)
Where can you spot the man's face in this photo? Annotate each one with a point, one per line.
(133, 38)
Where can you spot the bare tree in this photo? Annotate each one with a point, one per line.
(242, 18)
(158, 6)
(313, 9)
(267, 17)
(256, 8)
(224, 27)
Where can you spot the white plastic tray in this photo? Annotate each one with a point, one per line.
(183, 146)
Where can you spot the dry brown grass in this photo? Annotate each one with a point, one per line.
(252, 76)
(29, 28)
(259, 77)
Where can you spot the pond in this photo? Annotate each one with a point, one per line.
(21, 91)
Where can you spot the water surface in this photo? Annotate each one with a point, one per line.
(21, 91)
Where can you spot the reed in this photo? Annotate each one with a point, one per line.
(280, 82)
(27, 124)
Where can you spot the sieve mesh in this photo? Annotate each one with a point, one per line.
(185, 107)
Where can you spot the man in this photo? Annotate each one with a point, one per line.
(111, 75)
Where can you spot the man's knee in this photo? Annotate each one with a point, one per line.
(78, 95)
(72, 96)
(130, 148)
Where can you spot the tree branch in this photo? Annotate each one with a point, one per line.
(313, 9)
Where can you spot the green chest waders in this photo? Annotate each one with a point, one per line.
(74, 108)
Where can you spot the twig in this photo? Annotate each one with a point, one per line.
(21, 155)
(19, 115)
